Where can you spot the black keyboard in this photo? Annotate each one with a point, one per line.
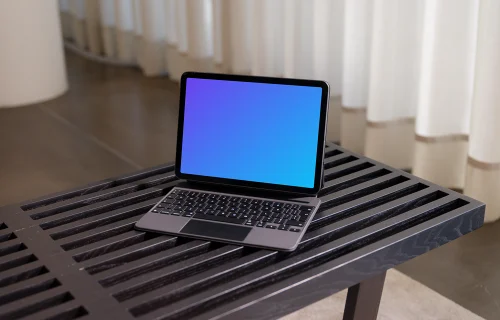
(280, 215)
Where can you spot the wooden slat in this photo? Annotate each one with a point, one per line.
(99, 208)
(26, 288)
(68, 310)
(370, 216)
(349, 180)
(97, 234)
(117, 215)
(126, 255)
(337, 169)
(158, 278)
(30, 305)
(324, 215)
(109, 245)
(9, 247)
(21, 273)
(368, 187)
(152, 262)
(15, 259)
(184, 287)
(82, 201)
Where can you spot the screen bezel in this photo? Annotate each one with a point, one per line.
(318, 178)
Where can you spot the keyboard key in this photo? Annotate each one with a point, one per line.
(260, 224)
(176, 213)
(268, 203)
(156, 211)
(234, 199)
(192, 193)
(270, 226)
(278, 221)
(245, 200)
(277, 210)
(306, 209)
(188, 214)
(278, 205)
(244, 205)
(287, 205)
(213, 196)
(255, 201)
(169, 201)
(294, 223)
(294, 229)
(283, 227)
(203, 195)
(166, 211)
(224, 198)
(303, 219)
(250, 223)
(233, 215)
(295, 206)
(267, 219)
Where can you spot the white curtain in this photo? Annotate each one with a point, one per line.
(414, 83)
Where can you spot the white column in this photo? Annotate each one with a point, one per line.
(394, 80)
(108, 22)
(328, 35)
(199, 16)
(268, 43)
(483, 172)
(446, 87)
(93, 26)
(299, 39)
(32, 67)
(222, 35)
(355, 73)
(241, 30)
(153, 36)
(65, 19)
(125, 35)
(357, 43)
(77, 10)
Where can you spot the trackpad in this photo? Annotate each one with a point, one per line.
(216, 230)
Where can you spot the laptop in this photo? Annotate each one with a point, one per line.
(250, 152)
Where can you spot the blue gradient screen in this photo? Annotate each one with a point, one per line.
(249, 131)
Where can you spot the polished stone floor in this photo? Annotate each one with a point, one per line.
(113, 121)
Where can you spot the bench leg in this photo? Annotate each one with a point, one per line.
(363, 299)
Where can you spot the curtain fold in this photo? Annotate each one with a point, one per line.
(413, 83)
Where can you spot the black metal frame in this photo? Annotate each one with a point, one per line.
(76, 254)
(250, 184)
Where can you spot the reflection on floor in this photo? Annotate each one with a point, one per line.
(113, 121)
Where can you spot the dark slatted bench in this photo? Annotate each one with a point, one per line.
(76, 254)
